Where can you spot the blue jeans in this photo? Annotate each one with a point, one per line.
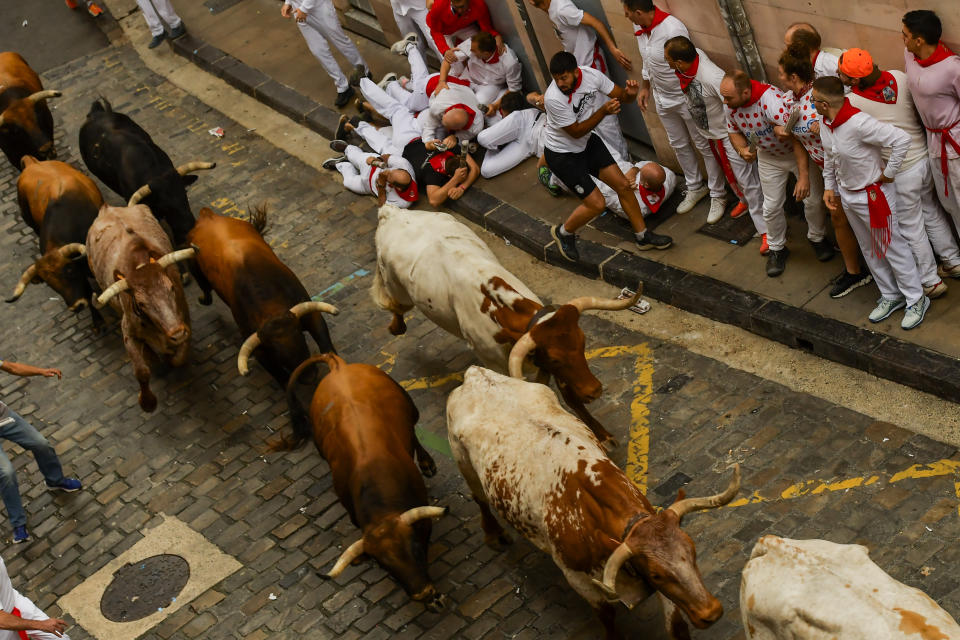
(24, 434)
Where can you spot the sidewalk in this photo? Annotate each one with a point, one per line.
(702, 274)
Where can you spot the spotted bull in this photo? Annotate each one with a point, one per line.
(26, 126)
(59, 203)
(546, 474)
(363, 425)
(268, 301)
(432, 262)
(125, 158)
(132, 260)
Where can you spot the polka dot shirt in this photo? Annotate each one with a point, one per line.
(756, 122)
(807, 128)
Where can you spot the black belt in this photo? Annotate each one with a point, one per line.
(542, 311)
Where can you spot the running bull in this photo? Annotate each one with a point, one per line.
(59, 203)
(26, 126)
(430, 261)
(363, 425)
(132, 260)
(547, 475)
(268, 301)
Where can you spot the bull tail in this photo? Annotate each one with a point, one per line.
(299, 419)
(257, 216)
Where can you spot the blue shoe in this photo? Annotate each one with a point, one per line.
(20, 534)
(67, 484)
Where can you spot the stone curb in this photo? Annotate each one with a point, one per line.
(881, 355)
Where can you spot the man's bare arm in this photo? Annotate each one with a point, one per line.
(26, 370)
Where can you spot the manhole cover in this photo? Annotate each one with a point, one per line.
(144, 587)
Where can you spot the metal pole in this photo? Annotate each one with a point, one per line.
(745, 45)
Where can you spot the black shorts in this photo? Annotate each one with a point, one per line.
(575, 169)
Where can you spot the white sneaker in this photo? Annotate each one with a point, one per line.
(717, 207)
(886, 307)
(914, 314)
(692, 197)
(400, 46)
(388, 78)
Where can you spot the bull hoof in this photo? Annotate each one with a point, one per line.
(498, 541)
(427, 467)
(148, 402)
(437, 604)
(397, 326)
(205, 299)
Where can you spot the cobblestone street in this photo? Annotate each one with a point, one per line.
(810, 468)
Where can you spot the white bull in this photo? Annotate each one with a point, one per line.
(820, 590)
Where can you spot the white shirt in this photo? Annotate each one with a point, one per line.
(564, 110)
(900, 114)
(705, 100)
(505, 72)
(307, 6)
(613, 201)
(430, 119)
(395, 161)
(825, 64)
(402, 7)
(666, 88)
(853, 152)
(566, 18)
(756, 121)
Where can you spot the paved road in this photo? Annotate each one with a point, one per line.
(811, 468)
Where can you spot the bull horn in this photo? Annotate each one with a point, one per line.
(139, 195)
(519, 353)
(25, 279)
(176, 256)
(419, 513)
(249, 345)
(190, 167)
(77, 248)
(34, 98)
(112, 290)
(689, 505)
(353, 552)
(310, 306)
(587, 303)
(609, 585)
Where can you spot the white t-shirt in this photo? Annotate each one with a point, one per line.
(666, 88)
(505, 72)
(576, 38)
(564, 110)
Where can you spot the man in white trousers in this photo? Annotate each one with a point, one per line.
(855, 176)
(320, 27)
(411, 17)
(578, 32)
(389, 178)
(155, 10)
(653, 28)
(886, 96)
(20, 618)
(517, 136)
(753, 110)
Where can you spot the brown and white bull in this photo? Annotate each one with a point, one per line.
(546, 474)
(59, 203)
(818, 589)
(430, 261)
(132, 259)
(363, 425)
(26, 126)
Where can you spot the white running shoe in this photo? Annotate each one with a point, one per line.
(717, 207)
(400, 46)
(914, 314)
(692, 197)
(886, 307)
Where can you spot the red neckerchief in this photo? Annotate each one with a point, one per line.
(877, 91)
(658, 17)
(471, 114)
(942, 52)
(687, 78)
(435, 80)
(494, 59)
(410, 194)
(813, 63)
(646, 193)
(575, 86)
(438, 160)
(879, 210)
(846, 112)
(21, 634)
(757, 89)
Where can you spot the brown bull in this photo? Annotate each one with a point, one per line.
(363, 426)
(132, 259)
(267, 300)
(26, 126)
(59, 203)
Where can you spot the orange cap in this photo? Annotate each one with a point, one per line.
(856, 63)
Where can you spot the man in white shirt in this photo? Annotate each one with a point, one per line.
(517, 136)
(411, 17)
(21, 618)
(491, 74)
(578, 31)
(885, 95)
(389, 178)
(320, 26)
(855, 175)
(653, 28)
(803, 33)
(575, 155)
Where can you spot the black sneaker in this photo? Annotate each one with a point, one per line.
(157, 40)
(653, 240)
(338, 145)
(359, 73)
(330, 164)
(777, 262)
(567, 245)
(823, 249)
(342, 131)
(343, 98)
(847, 282)
(178, 32)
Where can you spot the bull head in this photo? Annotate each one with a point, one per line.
(254, 341)
(124, 284)
(62, 269)
(665, 556)
(26, 127)
(401, 549)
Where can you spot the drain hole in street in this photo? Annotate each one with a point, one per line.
(806, 345)
(144, 587)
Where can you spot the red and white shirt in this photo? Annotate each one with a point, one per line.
(755, 120)
(807, 127)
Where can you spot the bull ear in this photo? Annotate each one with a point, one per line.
(189, 179)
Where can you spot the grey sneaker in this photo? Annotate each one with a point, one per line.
(914, 314)
(885, 308)
(400, 46)
(566, 244)
(653, 240)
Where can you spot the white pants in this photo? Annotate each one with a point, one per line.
(414, 97)
(914, 197)
(773, 181)
(404, 124)
(748, 179)
(895, 273)
(356, 171)
(154, 10)
(416, 22)
(681, 130)
(321, 28)
(30, 611)
(951, 201)
(516, 138)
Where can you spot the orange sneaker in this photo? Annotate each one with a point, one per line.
(764, 247)
(94, 9)
(71, 4)
(738, 210)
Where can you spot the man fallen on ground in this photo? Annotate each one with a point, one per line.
(652, 183)
(517, 136)
(388, 177)
(491, 74)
